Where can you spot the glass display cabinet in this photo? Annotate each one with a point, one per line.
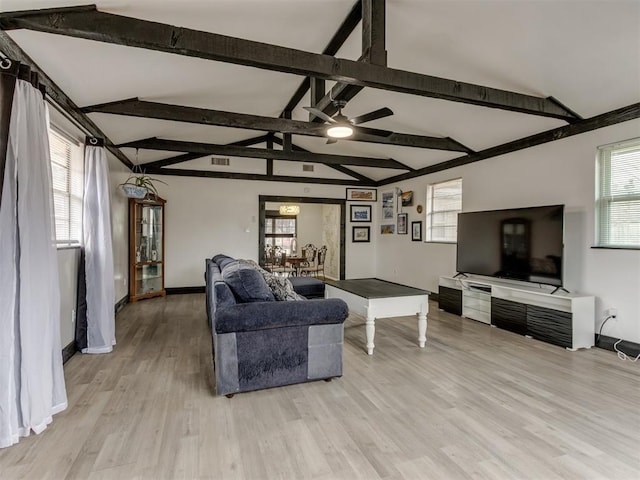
(146, 248)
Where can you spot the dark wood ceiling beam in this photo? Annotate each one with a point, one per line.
(13, 51)
(339, 168)
(351, 173)
(250, 176)
(82, 22)
(186, 157)
(287, 141)
(346, 28)
(302, 149)
(340, 91)
(270, 160)
(373, 51)
(246, 152)
(248, 142)
(140, 108)
(374, 45)
(630, 112)
(318, 90)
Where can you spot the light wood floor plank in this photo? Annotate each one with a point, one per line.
(477, 403)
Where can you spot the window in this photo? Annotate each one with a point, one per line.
(444, 202)
(280, 230)
(66, 173)
(618, 195)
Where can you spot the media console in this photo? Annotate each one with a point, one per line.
(563, 319)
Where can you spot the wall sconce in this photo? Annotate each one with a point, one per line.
(289, 209)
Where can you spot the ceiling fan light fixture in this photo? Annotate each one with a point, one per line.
(339, 131)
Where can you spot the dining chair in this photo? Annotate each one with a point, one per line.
(267, 255)
(320, 259)
(309, 253)
(280, 265)
(271, 251)
(319, 265)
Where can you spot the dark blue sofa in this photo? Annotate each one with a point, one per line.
(260, 342)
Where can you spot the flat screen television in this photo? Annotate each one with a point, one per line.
(521, 244)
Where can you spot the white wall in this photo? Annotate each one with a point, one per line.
(309, 225)
(561, 172)
(363, 255)
(206, 216)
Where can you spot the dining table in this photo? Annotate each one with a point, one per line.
(297, 263)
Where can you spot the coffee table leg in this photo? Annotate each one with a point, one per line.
(422, 326)
(370, 327)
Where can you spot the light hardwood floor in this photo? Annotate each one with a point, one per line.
(478, 402)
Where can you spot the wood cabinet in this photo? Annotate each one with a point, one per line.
(509, 315)
(552, 326)
(450, 299)
(146, 248)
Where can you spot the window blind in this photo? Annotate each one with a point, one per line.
(280, 230)
(444, 202)
(618, 195)
(66, 173)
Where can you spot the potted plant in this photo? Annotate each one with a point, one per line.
(139, 186)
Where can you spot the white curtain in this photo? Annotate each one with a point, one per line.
(96, 226)
(32, 386)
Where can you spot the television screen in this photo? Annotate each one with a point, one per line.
(520, 244)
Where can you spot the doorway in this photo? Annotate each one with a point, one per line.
(265, 201)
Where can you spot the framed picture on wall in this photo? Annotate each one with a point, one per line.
(387, 229)
(388, 206)
(416, 231)
(407, 198)
(402, 224)
(361, 234)
(362, 195)
(360, 213)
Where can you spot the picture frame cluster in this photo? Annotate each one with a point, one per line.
(392, 202)
(361, 213)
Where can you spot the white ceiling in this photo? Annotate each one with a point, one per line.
(586, 54)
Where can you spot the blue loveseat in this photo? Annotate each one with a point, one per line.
(260, 342)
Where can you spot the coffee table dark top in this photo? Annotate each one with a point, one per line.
(375, 288)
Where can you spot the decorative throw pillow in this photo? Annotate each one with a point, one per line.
(223, 260)
(281, 288)
(246, 283)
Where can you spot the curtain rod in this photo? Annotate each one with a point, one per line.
(64, 113)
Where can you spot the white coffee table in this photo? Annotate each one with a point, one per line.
(373, 298)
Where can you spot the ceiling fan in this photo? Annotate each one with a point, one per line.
(340, 126)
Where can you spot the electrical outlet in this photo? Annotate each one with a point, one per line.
(612, 312)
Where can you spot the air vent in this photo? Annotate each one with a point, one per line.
(307, 168)
(221, 161)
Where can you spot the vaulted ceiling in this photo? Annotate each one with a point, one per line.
(171, 84)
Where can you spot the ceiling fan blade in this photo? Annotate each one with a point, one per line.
(374, 131)
(376, 114)
(320, 114)
(332, 140)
